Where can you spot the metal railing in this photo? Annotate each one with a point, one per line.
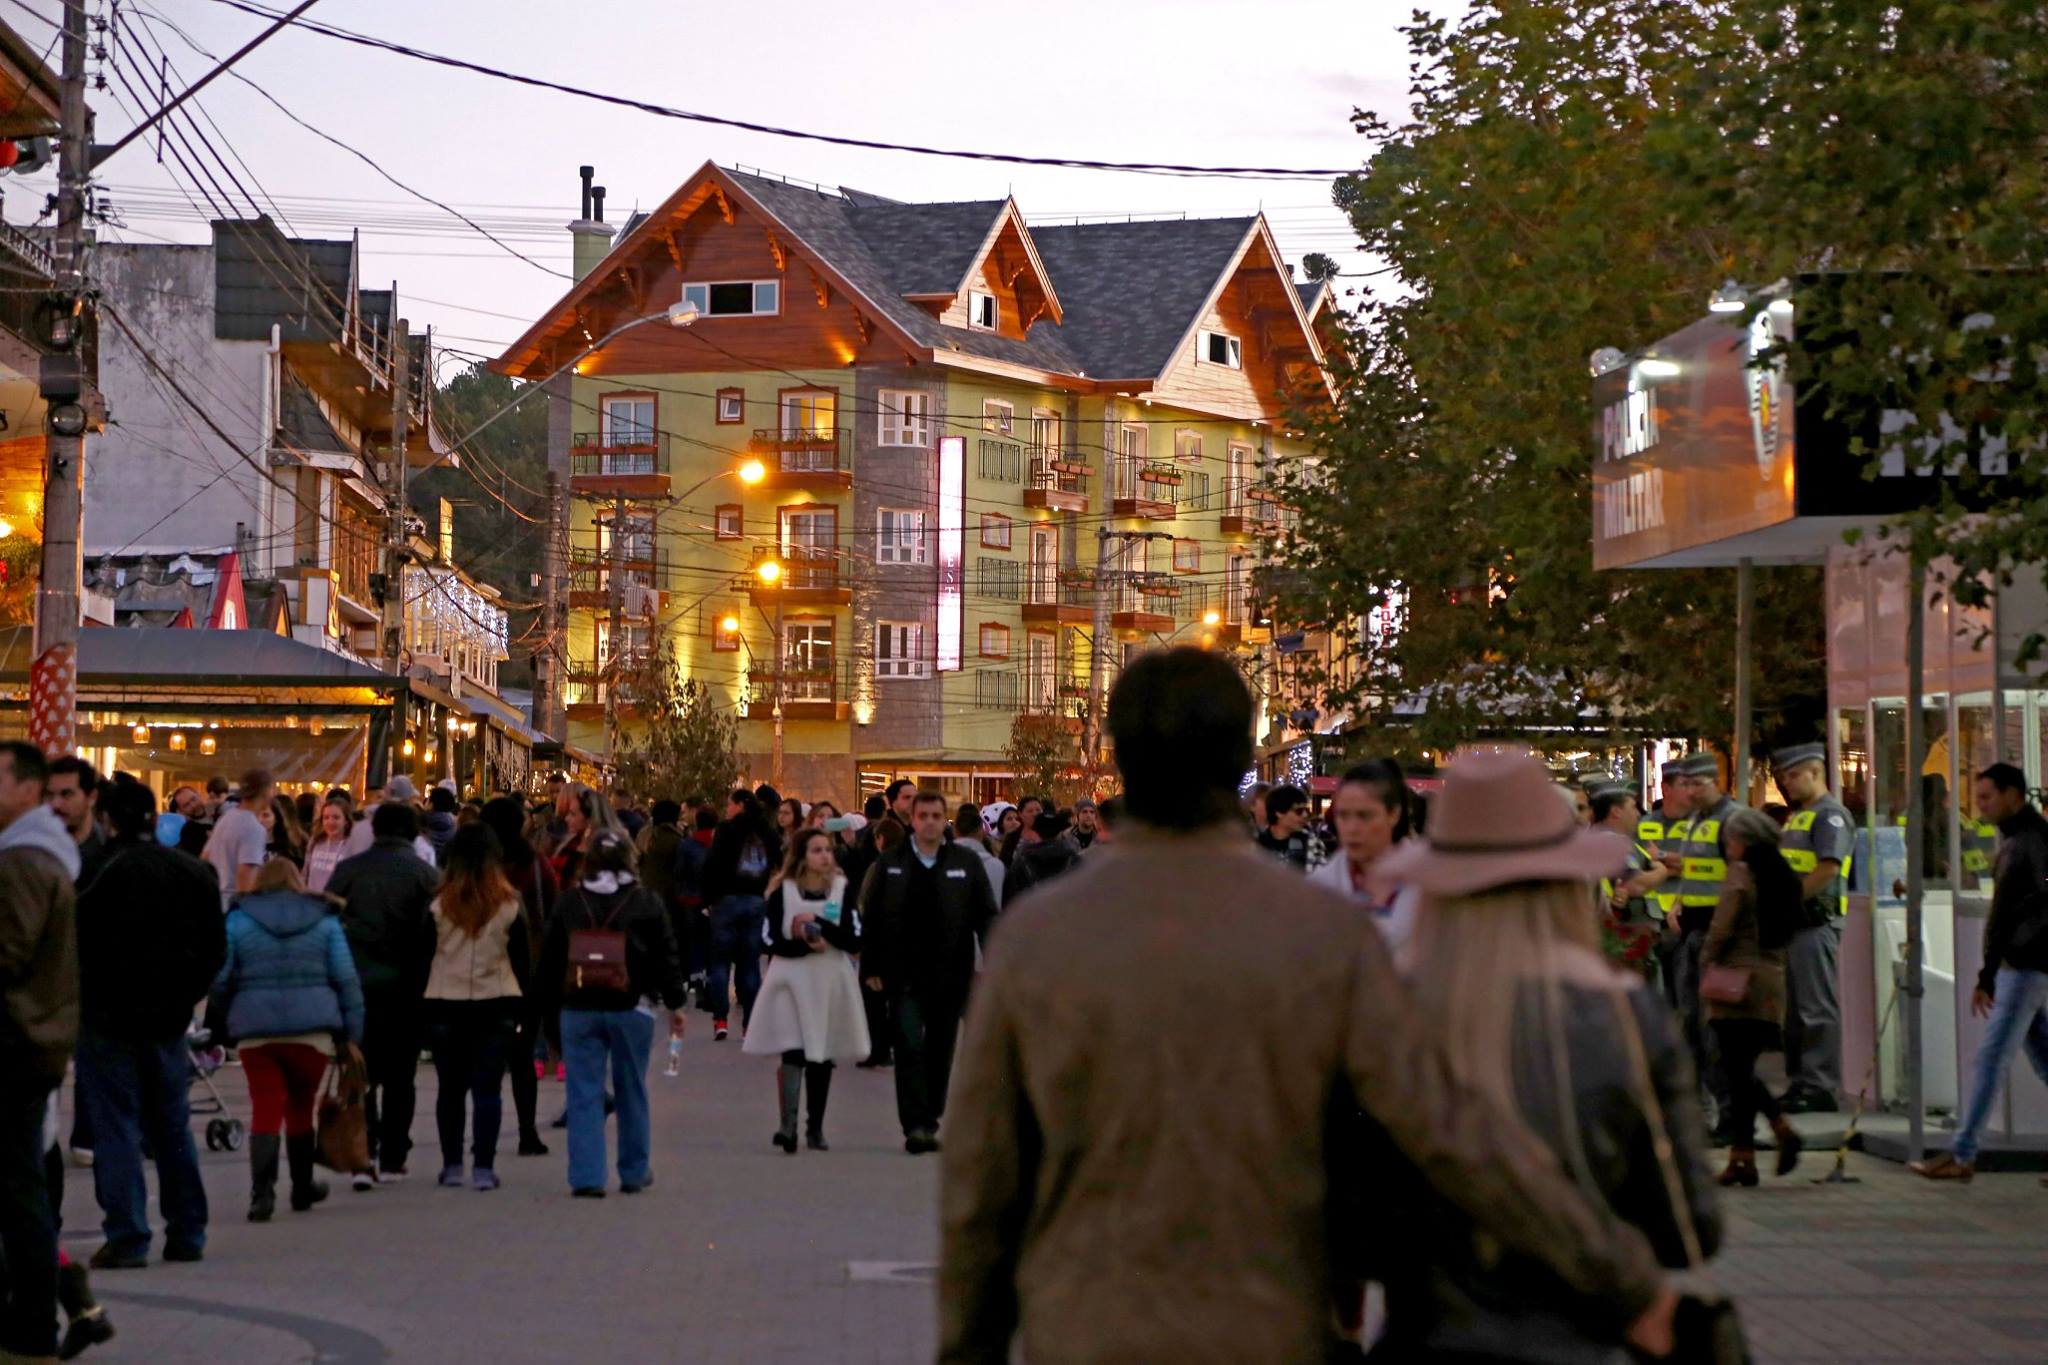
(805, 568)
(802, 451)
(1043, 589)
(618, 453)
(1001, 461)
(1047, 478)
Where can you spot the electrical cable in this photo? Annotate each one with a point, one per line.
(772, 130)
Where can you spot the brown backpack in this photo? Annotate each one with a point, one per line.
(597, 955)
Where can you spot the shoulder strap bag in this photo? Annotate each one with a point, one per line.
(597, 954)
(1708, 1331)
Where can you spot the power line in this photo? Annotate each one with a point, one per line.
(772, 130)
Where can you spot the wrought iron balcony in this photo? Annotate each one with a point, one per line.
(1057, 482)
(806, 458)
(631, 463)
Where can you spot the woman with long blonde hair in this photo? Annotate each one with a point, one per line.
(474, 994)
(1505, 966)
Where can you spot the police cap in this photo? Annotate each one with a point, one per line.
(1792, 755)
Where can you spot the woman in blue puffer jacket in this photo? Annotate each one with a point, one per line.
(290, 994)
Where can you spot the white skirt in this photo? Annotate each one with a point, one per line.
(810, 1004)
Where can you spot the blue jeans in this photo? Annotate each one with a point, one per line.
(590, 1040)
(2017, 1020)
(735, 953)
(131, 1090)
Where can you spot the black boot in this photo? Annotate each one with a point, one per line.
(263, 1149)
(306, 1191)
(789, 1080)
(86, 1323)
(817, 1092)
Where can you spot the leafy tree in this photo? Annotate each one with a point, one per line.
(498, 483)
(683, 741)
(1524, 223)
(1896, 150)
(1317, 266)
(1046, 757)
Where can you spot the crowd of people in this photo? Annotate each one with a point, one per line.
(1514, 1019)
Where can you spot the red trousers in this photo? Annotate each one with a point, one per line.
(284, 1085)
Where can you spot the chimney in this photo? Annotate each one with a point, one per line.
(590, 236)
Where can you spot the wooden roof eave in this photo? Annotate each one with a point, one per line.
(981, 364)
(649, 233)
(1261, 233)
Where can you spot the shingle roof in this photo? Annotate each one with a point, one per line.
(833, 226)
(229, 658)
(300, 423)
(924, 248)
(1310, 291)
(1131, 289)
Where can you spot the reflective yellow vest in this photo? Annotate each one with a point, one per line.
(1703, 866)
(1800, 854)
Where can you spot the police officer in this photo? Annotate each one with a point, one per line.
(1699, 857)
(1659, 826)
(1819, 841)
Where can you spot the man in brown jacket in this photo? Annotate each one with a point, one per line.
(38, 1030)
(1137, 1167)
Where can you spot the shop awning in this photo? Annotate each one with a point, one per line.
(145, 655)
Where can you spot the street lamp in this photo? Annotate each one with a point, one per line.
(769, 573)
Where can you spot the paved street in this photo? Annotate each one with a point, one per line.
(740, 1253)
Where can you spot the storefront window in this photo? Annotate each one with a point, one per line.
(1853, 739)
(1979, 747)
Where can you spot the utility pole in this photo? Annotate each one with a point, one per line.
(1098, 651)
(547, 680)
(615, 603)
(395, 538)
(53, 677)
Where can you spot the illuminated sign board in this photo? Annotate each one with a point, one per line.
(952, 549)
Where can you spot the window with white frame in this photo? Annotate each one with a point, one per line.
(998, 417)
(995, 531)
(995, 640)
(899, 536)
(899, 650)
(905, 417)
(981, 310)
(735, 298)
(1221, 348)
(1187, 446)
(1187, 556)
(727, 521)
(732, 406)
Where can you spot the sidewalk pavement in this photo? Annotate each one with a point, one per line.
(741, 1253)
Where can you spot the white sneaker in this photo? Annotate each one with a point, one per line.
(362, 1182)
(81, 1156)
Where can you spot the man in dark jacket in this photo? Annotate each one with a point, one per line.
(2012, 987)
(1043, 852)
(926, 905)
(150, 940)
(742, 857)
(38, 1030)
(385, 894)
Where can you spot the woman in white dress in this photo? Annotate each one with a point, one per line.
(809, 1013)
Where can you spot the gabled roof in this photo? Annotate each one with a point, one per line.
(1314, 294)
(301, 425)
(1136, 287)
(1131, 291)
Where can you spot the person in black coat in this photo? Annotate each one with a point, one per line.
(926, 906)
(150, 940)
(1046, 855)
(744, 854)
(386, 894)
(602, 1029)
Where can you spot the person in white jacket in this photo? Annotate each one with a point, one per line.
(809, 1013)
(1371, 809)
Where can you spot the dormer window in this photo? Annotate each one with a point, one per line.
(981, 310)
(1220, 348)
(735, 298)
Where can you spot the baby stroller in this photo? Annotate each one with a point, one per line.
(224, 1132)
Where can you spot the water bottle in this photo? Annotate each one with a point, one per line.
(675, 1056)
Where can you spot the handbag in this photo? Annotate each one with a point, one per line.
(342, 1132)
(597, 956)
(1706, 1328)
(1724, 985)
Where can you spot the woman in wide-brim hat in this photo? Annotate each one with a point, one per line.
(1506, 963)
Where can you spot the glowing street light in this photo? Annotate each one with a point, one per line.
(769, 571)
(730, 625)
(753, 471)
(1212, 618)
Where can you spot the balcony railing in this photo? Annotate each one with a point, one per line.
(1050, 590)
(640, 566)
(805, 568)
(797, 457)
(1056, 481)
(617, 454)
(810, 690)
(1000, 461)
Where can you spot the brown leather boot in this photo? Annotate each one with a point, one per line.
(1943, 1167)
(1741, 1167)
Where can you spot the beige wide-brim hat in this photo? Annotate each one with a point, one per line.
(1498, 820)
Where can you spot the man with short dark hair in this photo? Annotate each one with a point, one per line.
(927, 906)
(898, 798)
(239, 842)
(72, 790)
(1094, 1082)
(2012, 985)
(386, 893)
(1087, 823)
(1286, 835)
(38, 1032)
(150, 939)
